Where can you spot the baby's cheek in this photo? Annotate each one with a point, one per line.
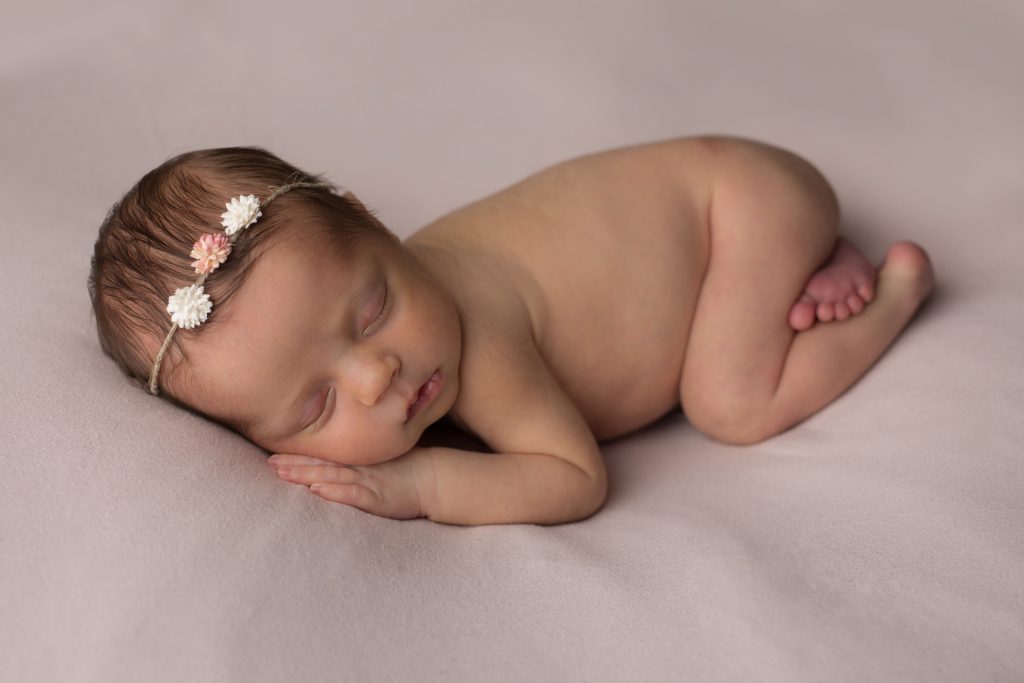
(349, 442)
(439, 325)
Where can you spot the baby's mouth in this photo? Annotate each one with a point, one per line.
(426, 395)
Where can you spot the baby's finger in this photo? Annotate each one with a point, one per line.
(279, 459)
(313, 474)
(349, 494)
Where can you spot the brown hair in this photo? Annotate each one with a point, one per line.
(142, 253)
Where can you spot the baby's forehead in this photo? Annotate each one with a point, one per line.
(291, 298)
(307, 275)
(292, 302)
(316, 258)
(298, 291)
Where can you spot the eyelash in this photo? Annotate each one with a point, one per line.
(380, 314)
(323, 410)
(383, 307)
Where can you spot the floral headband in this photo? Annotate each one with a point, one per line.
(189, 306)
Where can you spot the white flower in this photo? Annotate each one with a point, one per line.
(242, 211)
(189, 306)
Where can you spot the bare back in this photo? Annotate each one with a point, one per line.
(602, 258)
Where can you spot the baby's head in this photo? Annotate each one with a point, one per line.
(323, 327)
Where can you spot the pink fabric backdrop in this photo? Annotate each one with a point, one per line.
(880, 540)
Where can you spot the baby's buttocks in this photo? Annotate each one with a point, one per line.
(608, 251)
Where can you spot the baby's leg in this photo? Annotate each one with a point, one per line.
(773, 220)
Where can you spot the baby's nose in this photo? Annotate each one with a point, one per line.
(376, 378)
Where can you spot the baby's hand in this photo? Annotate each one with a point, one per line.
(389, 489)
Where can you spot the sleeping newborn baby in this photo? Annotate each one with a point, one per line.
(577, 305)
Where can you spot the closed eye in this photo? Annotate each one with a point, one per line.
(319, 417)
(383, 308)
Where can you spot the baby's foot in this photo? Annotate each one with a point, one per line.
(841, 288)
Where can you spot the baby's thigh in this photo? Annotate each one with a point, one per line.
(772, 222)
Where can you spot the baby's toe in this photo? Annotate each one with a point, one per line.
(801, 315)
(826, 312)
(842, 311)
(866, 290)
(855, 303)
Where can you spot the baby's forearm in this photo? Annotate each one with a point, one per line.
(471, 488)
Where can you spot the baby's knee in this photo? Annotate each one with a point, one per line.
(730, 419)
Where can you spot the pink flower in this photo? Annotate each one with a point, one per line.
(210, 251)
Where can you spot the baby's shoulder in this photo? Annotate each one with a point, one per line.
(500, 360)
(495, 298)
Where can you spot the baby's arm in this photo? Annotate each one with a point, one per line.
(548, 467)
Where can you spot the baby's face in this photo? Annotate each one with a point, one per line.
(323, 355)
